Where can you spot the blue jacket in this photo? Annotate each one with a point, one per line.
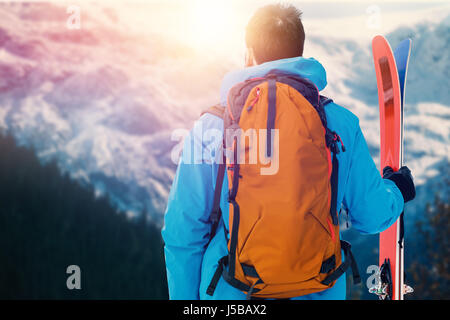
(373, 203)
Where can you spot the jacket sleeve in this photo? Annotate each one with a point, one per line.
(186, 222)
(373, 203)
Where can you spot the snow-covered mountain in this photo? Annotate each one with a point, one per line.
(104, 100)
(100, 101)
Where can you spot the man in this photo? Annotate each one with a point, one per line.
(274, 39)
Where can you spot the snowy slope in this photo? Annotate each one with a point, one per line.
(104, 100)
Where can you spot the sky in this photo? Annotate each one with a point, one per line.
(217, 26)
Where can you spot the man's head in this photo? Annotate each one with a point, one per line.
(274, 32)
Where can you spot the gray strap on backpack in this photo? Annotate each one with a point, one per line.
(216, 110)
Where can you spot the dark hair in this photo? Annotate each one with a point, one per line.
(275, 32)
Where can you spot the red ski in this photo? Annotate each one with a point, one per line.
(391, 132)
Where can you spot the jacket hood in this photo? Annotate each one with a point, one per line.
(308, 68)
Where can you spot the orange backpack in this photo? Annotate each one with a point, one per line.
(284, 228)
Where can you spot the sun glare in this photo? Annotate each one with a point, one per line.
(210, 22)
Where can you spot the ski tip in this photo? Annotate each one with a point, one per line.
(405, 43)
(377, 42)
(380, 43)
(378, 38)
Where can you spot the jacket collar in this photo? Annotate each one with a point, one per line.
(308, 68)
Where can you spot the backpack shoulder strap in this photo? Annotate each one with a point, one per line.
(216, 213)
(216, 110)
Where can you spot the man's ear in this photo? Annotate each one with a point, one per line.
(249, 58)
